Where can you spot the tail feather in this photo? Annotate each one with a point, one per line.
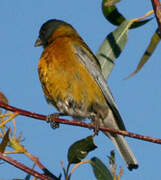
(124, 150)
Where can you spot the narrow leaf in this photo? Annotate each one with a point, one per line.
(112, 14)
(80, 149)
(112, 47)
(149, 51)
(100, 170)
(4, 142)
(28, 177)
(3, 98)
(15, 144)
(111, 2)
(50, 175)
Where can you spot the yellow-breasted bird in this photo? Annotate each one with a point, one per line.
(72, 81)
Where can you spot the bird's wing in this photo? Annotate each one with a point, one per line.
(96, 73)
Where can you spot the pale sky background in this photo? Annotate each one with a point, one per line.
(138, 99)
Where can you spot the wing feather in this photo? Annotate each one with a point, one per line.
(96, 73)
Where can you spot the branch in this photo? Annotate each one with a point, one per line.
(80, 124)
(157, 10)
(23, 167)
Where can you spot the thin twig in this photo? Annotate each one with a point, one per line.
(77, 165)
(23, 167)
(9, 119)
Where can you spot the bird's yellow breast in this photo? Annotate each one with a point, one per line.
(63, 76)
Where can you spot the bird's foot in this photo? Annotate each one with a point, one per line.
(96, 128)
(96, 123)
(51, 119)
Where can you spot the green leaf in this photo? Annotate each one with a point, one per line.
(116, 18)
(112, 14)
(111, 2)
(149, 51)
(112, 47)
(28, 177)
(4, 142)
(139, 23)
(80, 149)
(112, 161)
(100, 170)
(50, 175)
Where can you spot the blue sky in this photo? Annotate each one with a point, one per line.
(138, 98)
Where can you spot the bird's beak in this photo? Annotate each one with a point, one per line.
(38, 42)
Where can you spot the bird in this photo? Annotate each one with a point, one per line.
(72, 81)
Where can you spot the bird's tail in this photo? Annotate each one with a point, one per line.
(124, 150)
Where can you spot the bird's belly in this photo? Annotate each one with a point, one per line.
(72, 92)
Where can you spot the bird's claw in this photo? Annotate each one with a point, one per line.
(54, 125)
(96, 129)
(51, 119)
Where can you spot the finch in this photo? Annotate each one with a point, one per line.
(72, 82)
